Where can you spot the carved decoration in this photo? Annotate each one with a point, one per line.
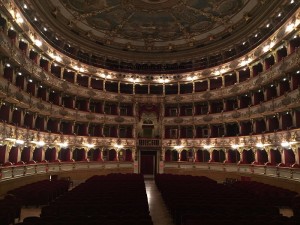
(178, 120)
(261, 109)
(119, 119)
(40, 106)
(286, 101)
(91, 93)
(90, 116)
(207, 118)
(207, 95)
(206, 72)
(63, 112)
(178, 98)
(235, 89)
(234, 64)
(66, 60)
(19, 96)
(258, 81)
(236, 115)
(65, 85)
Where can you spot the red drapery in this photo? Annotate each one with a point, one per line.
(13, 155)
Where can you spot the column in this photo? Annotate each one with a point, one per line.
(31, 152)
(223, 80)
(282, 155)
(43, 153)
(268, 150)
(208, 84)
(71, 152)
(251, 71)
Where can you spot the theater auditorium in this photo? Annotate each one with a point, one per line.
(149, 112)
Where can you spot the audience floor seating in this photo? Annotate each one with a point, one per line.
(200, 200)
(115, 199)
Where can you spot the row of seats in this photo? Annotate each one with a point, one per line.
(10, 209)
(199, 200)
(41, 192)
(114, 199)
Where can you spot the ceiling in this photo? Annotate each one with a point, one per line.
(154, 25)
(154, 30)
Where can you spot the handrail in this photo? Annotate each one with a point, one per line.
(289, 173)
(18, 171)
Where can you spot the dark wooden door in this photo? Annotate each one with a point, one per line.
(148, 162)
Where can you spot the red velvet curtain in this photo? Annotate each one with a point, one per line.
(31, 88)
(295, 81)
(39, 123)
(4, 113)
(25, 154)
(260, 126)
(13, 155)
(20, 82)
(28, 120)
(37, 154)
(16, 117)
(174, 156)
(128, 155)
(97, 155)
(246, 128)
(65, 154)
(113, 131)
(53, 126)
(54, 98)
(42, 93)
(262, 157)
(183, 155)
(167, 132)
(287, 121)
(168, 156)
(50, 154)
(275, 156)
(215, 156)
(114, 109)
(79, 154)
(199, 156)
(273, 124)
(112, 154)
(271, 93)
(98, 131)
(44, 64)
(233, 156)
(284, 86)
(97, 84)
(8, 73)
(129, 132)
(289, 157)
(2, 153)
(248, 156)
(258, 97)
(98, 108)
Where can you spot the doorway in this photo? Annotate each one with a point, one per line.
(148, 162)
(147, 132)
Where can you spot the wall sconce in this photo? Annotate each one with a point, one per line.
(89, 145)
(207, 146)
(63, 145)
(235, 146)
